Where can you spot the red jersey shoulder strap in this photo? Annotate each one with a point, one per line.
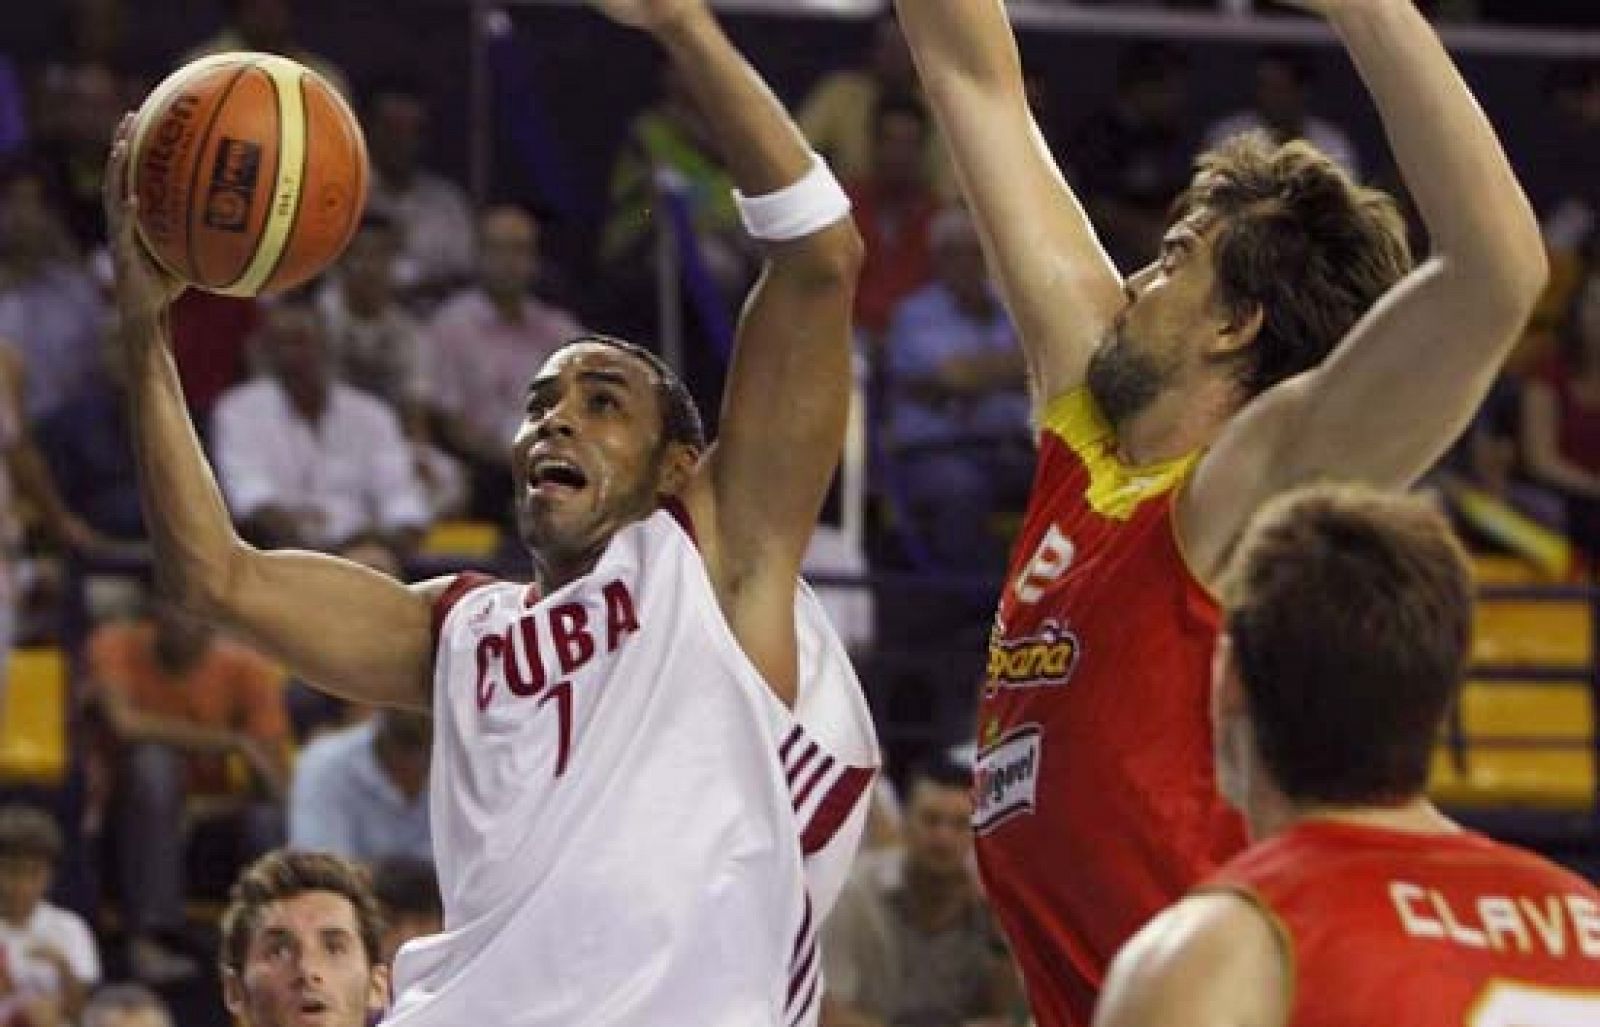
(457, 590)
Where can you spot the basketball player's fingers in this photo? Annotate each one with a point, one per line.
(113, 186)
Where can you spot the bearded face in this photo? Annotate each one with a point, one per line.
(1124, 379)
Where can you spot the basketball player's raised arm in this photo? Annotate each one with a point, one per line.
(1061, 288)
(339, 626)
(758, 491)
(1405, 381)
(1210, 961)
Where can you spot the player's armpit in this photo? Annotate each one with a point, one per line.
(1381, 410)
(1212, 960)
(1061, 288)
(760, 488)
(335, 624)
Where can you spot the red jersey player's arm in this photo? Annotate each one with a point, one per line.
(333, 623)
(1059, 285)
(1212, 960)
(1406, 380)
(756, 495)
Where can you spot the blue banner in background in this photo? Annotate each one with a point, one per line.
(525, 117)
(700, 288)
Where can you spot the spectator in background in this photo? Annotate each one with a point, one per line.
(362, 791)
(959, 442)
(1284, 79)
(839, 114)
(1560, 412)
(910, 941)
(126, 1005)
(1569, 155)
(50, 309)
(303, 929)
(671, 136)
(432, 213)
(85, 101)
(894, 207)
(308, 461)
(267, 26)
(375, 345)
(379, 348)
(26, 476)
(484, 339)
(408, 893)
(49, 956)
(92, 32)
(1131, 159)
(176, 699)
(85, 444)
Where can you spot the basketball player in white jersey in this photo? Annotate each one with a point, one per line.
(650, 763)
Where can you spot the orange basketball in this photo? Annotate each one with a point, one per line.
(251, 173)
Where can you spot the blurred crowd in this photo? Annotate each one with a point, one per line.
(369, 415)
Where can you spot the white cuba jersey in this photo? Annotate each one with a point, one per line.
(629, 827)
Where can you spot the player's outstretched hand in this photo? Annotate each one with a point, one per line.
(648, 15)
(144, 290)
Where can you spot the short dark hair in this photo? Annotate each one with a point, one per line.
(1571, 76)
(29, 833)
(24, 166)
(1147, 62)
(375, 220)
(1350, 614)
(1297, 63)
(900, 105)
(941, 771)
(287, 873)
(680, 416)
(395, 81)
(406, 885)
(404, 728)
(300, 297)
(1298, 239)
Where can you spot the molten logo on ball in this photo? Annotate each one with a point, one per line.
(233, 183)
(158, 197)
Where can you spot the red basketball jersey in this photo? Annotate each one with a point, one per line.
(1095, 806)
(1391, 927)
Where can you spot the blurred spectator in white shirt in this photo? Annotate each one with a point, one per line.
(378, 347)
(48, 957)
(308, 461)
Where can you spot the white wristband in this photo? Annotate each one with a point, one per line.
(797, 210)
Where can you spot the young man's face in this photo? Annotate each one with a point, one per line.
(23, 883)
(307, 967)
(938, 829)
(589, 459)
